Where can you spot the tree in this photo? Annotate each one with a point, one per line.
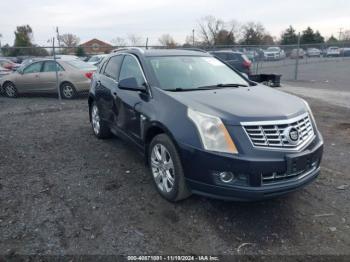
(23, 40)
(225, 37)
(135, 40)
(80, 51)
(69, 40)
(119, 41)
(167, 40)
(289, 37)
(253, 34)
(309, 37)
(268, 40)
(332, 40)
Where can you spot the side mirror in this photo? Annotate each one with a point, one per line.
(131, 84)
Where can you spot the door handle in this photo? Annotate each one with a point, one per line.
(37, 76)
(98, 83)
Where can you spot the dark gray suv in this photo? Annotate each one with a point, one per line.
(203, 127)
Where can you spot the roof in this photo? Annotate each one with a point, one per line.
(165, 52)
(95, 40)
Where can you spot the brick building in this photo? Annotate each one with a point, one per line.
(95, 46)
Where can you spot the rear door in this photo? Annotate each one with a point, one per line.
(29, 80)
(106, 88)
(48, 75)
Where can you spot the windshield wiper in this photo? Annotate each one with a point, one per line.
(180, 89)
(231, 85)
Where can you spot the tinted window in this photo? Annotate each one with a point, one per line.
(131, 68)
(233, 56)
(113, 66)
(33, 68)
(50, 66)
(222, 56)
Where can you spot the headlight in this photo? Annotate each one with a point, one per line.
(310, 113)
(213, 133)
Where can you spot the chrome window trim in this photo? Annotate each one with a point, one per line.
(280, 122)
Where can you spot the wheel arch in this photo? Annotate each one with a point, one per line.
(154, 129)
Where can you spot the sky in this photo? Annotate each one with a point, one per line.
(108, 19)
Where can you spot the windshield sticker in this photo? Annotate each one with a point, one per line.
(213, 61)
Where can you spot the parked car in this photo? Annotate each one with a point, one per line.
(274, 53)
(252, 55)
(345, 51)
(294, 53)
(8, 64)
(40, 76)
(4, 71)
(236, 59)
(96, 59)
(333, 51)
(204, 128)
(313, 52)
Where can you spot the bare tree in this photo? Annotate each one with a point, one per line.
(69, 40)
(135, 40)
(119, 41)
(167, 40)
(214, 31)
(253, 34)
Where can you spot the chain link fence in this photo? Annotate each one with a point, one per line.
(292, 62)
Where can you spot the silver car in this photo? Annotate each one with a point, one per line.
(40, 76)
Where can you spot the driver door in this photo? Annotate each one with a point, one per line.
(127, 102)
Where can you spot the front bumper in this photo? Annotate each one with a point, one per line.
(200, 167)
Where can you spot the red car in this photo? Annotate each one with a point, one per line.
(8, 64)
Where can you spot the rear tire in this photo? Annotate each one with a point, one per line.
(10, 90)
(68, 91)
(166, 169)
(99, 127)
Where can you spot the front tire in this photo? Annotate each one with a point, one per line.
(10, 90)
(166, 169)
(99, 127)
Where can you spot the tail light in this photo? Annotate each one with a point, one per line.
(89, 75)
(247, 63)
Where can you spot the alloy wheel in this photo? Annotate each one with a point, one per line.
(95, 119)
(68, 91)
(162, 168)
(10, 90)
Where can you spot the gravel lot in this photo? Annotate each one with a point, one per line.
(62, 191)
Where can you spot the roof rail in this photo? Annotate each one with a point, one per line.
(193, 49)
(128, 48)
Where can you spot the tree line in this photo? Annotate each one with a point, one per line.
(210, 31)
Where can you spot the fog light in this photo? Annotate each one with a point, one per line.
(226, 177)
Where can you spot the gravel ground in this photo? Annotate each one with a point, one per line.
(62, 191)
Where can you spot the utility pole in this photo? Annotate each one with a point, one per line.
(56, 70)
(58, 38)
(297, 60)
(340, 33)
(147, 43)
(193, 37)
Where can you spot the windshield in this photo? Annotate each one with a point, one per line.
(273, 49)
(80, 65)
(192, 72)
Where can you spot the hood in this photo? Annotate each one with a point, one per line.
(235, 105)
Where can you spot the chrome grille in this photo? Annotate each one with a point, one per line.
(270, 134)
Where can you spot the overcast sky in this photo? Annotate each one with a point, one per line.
(107, 19)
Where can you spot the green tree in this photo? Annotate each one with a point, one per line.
(80, 51)
(332, 40)
(289, 37)
(310, 37)
(253, 34)
(23, 40)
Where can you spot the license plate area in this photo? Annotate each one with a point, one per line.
(298, 164)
